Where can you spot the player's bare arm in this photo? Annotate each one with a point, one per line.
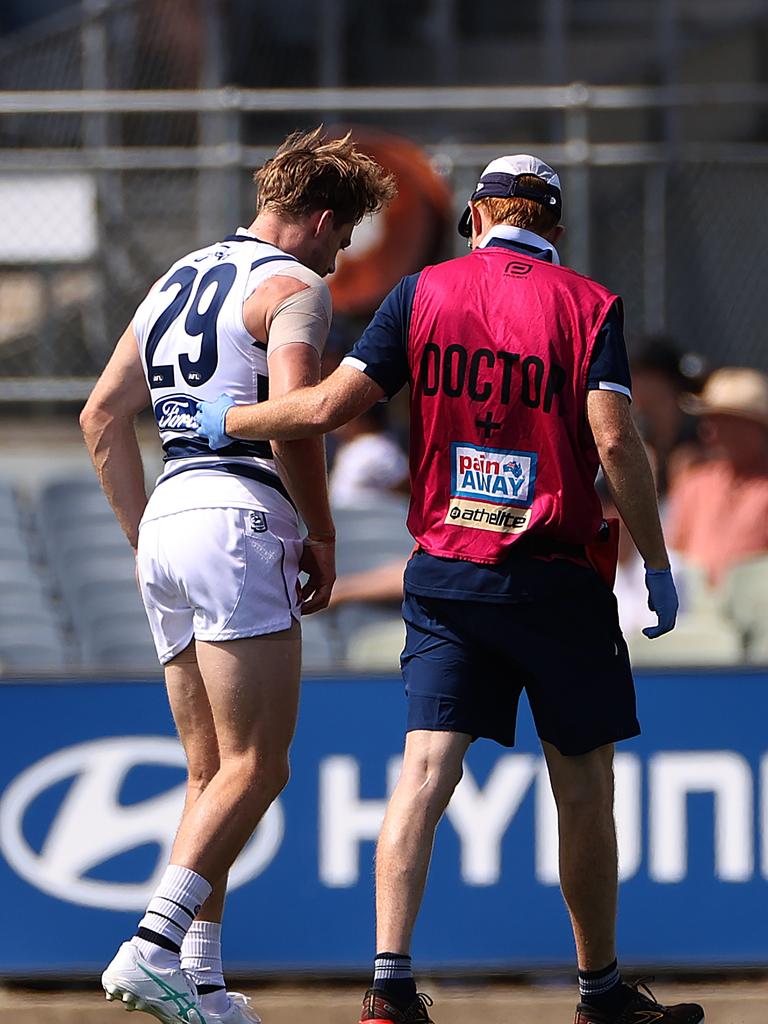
(280, 309)
(302, 467)
(107, 422)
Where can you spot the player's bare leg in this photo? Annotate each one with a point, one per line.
(201, 948)
(250, 696)
(431, 771)
(583, 791)
(252, 687)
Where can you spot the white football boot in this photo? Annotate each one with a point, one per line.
(165, 993)
(240, 1012)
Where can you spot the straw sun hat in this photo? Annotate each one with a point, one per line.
(732, 391)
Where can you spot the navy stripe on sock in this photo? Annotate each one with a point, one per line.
(181, 906)
(203, 990)
(158, 940)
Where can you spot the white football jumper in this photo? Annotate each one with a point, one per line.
(219, 540)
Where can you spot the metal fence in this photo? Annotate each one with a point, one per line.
(96, 203)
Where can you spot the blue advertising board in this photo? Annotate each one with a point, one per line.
(91, 784)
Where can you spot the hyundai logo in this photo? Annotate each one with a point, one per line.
(91, 826)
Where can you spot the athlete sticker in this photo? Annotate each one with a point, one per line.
(495, 475)
(482, 515)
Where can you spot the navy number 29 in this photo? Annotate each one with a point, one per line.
(195, 372)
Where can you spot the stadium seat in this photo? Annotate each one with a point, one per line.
(126, 657)
(745, 596)
(60, 492)
(109, 597)
(37, 654)
(26, 598)
(13, 540)
(15, 569)
(696, 640)
(92, 546)
(9, 506)
(77, 500)
(376, 648)
(20, 614)
(757, 646)
(31, 629)
(318, 648)
(697, 595)
(369, 545)
(120, 642)
(92, 567)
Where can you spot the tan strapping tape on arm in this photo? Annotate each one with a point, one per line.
(303, 318)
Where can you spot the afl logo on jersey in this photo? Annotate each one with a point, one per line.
(176, 412)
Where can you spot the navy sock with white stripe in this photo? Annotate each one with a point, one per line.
(393, 977)
(603, 989)
(169, 915)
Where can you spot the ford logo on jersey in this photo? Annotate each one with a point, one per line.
(176, 413)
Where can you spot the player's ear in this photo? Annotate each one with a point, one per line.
(324, 222)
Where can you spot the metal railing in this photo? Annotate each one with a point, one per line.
(155, 201)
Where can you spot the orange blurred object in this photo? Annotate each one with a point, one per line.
(400, 240)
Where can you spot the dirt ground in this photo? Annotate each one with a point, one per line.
(725, 1003)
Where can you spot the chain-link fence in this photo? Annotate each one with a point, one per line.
(87, 228)
(146, 153)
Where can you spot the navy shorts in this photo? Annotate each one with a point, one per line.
(465, 664)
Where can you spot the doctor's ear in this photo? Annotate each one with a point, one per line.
(477, 222)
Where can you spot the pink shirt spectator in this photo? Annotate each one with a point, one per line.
(718, 516)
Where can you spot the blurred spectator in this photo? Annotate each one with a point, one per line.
(383, 585)
(718, 510)
(368, 462)
(341, 337)
(657, 386)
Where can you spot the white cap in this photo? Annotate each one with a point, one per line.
(500, 180)
(522, 163)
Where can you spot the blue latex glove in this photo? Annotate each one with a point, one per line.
(210, 417)
(662, 599)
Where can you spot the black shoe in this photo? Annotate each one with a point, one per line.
(641, 1009)
(378, 1010)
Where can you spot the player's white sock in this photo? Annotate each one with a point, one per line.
(201, 959)
(169, 916)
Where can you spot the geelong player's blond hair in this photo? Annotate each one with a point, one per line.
(312, 171)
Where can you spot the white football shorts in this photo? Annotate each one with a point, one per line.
(217, 574)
